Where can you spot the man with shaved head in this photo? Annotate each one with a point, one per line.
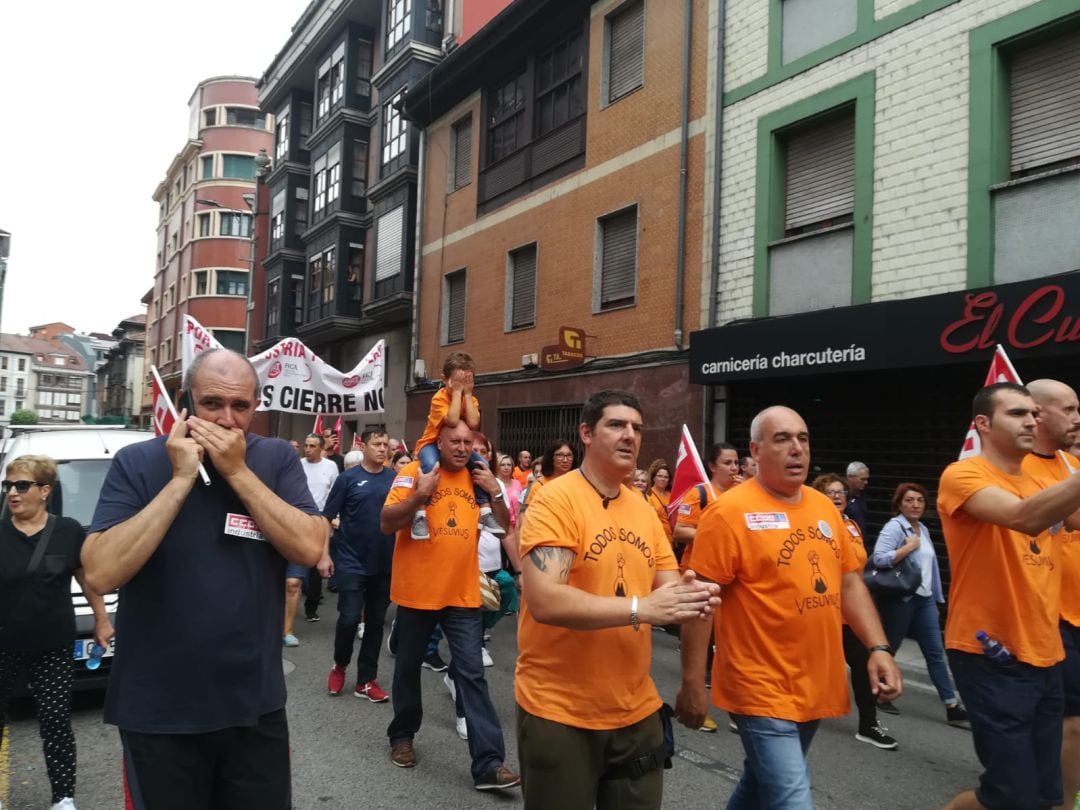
(197, 688)
(789, 581)
(1057, 430)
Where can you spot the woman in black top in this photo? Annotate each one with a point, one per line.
(37, 619)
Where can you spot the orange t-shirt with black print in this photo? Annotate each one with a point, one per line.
(858, 547)
(1003, 581)
(440, 404)
(443, 571)
(689, 514)
(779, 648)
(659, 503)
(1050, 471)
(521, 476)
(594, 679)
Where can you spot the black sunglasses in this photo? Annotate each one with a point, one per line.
(22, 487)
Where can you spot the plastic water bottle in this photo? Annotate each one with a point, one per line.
(994, 649)
(96, 654)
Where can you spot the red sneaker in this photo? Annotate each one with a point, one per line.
(372, 691)
(336, 682)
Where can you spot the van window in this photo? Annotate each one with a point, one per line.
(80, 485)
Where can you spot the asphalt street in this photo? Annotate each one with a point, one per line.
(341, 757)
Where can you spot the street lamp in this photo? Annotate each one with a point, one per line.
(262, 169)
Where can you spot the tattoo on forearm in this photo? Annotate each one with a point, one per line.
(554, 559)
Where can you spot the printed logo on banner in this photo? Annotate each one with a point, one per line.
(242, 526)
(275, 370)
(761, 521)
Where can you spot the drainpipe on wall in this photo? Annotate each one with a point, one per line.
(684, 146)
(414, 327)
(718, 173)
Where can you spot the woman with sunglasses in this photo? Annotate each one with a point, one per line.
(37, 619)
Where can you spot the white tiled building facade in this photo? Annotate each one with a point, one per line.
(941, 199)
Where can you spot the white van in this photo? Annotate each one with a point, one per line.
(82, 454)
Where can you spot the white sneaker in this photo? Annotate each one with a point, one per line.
(462, 728)
(360, 630)
(64, 804)
(487, 657)
(449, 682)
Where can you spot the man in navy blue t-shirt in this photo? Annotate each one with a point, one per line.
(197, 687)
(360, 563)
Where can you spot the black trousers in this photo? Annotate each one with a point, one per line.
(856, 656)
(232, 769)
(49, 674)
(313, 592)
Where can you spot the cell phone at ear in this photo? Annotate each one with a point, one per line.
(185, 402)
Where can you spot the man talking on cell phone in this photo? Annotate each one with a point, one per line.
(197, 689)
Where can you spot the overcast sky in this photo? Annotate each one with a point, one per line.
(93, 108)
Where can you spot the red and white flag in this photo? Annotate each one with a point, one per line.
(689, 472)
(318, 429)
(1001, 370)
(164, 415)
(355, 442)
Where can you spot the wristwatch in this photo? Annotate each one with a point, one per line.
(881, 648)
(633, 612)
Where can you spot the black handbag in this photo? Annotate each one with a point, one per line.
(902, 579)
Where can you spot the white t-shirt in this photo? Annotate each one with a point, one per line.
(320, 477)
(489, 549)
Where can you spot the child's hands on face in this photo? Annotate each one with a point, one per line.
(457, 380)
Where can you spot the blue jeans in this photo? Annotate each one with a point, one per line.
(917, 618)
(429, 456)
(774, 771)
(370, 595)
(463, 632)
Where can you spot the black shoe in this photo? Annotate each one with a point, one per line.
(391, 639)
(876, 736)
(888, 707)
(312, 617)
(435, 663)
(957, 716)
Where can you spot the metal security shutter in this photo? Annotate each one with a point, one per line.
(618, 258)
(1044, 99)
(626, 51)
(820, 181)
(455, 307)
(523, 287)
(462, 153)
(389, 233)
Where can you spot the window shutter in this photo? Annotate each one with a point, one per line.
(626, 51)
(388, 242)
(463, 153)
(820, 173)
(523, 287)
(1044, 98)
(455, 307)
(618, 268)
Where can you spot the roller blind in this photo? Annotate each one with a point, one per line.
(523, 287)
(820, 173)
(626, 51)
(455, 307)
(1044, 103)
(462, 153)
(618, 256)
(389, 238)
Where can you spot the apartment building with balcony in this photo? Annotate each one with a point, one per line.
(566, 232)
(204, 238)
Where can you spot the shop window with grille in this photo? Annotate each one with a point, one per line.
(533, 429)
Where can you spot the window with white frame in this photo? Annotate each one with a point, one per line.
(521, 288)
(624, 61)
(273, 304)
(205, 223)
(333, 173)
(398, 22)
(394, 130)
(364, 60)
(200, 282)
(616, 259)
(454, 288)
(277, 219)
(234, 223)
(337, 76)
(318, 177)
(281, 135)
(210, 117)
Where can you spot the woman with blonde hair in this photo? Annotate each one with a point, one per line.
(39, 553)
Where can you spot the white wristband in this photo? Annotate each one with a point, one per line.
(633, 612)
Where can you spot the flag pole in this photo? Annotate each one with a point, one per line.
(176, 417)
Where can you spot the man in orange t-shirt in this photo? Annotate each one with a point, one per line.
(523, 468)
(436, 581)
(1002, 529)
(1058, 428)
(790, 579)
(596, 565)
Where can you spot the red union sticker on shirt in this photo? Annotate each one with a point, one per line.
(403, 481)
(242, 526)
(760, 521)
(684, 509)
